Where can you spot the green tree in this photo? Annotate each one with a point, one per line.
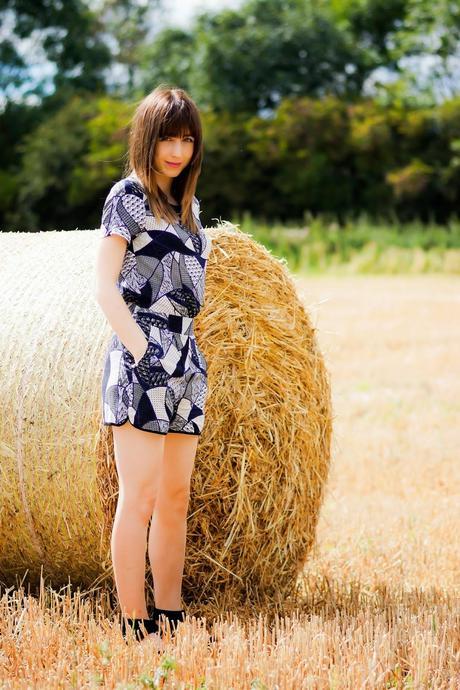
(433, 30)
(68, 32)
(170, 58)
(373, 24)
(68, 162)
(269, 49)
(128, 23)
(49, 156)
(248, 60)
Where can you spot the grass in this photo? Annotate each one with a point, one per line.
(361, 245)
(379, 599)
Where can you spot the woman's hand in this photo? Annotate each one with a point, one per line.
(138, 359)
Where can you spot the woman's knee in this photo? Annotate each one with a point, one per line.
(173, 500)
(139, 502)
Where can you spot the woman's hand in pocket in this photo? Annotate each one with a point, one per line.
(138, 356)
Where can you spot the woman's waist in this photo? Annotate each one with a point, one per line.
(169, 320)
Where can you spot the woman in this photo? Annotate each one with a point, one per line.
(150, 285)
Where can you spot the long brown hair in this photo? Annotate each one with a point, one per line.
(165, 111)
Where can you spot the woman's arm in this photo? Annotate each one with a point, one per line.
(108, 265)
(123, 217)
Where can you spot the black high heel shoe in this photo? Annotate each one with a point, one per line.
(142, 627)
(174, 617)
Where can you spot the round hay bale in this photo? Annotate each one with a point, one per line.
(262, 461)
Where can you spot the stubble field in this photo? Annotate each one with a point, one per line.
(381, 592)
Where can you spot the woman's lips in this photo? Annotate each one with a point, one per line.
(175, 165)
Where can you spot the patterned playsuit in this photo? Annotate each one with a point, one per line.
(162, 280)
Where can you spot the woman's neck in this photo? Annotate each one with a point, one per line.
(164, 184)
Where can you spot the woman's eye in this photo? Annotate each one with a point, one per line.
(189, 138)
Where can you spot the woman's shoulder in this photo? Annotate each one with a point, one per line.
(196, 206)
(126, 185)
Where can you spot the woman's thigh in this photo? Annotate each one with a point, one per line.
(178, 462)
(138, 457)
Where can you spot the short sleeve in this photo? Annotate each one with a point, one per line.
(196, 211)
(123, 214)
(206, 237)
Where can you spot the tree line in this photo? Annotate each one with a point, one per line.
(296, 114)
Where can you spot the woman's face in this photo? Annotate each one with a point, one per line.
(171, 150)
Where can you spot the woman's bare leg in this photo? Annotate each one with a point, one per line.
(167, 536)
(138, 457)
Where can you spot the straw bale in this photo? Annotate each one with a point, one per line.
(262, 461)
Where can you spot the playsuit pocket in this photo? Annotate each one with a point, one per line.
(149, 366)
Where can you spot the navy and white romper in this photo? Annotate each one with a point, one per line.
(162, 280)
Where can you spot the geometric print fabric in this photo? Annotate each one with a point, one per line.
(162, 281)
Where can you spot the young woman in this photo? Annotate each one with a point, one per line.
(150, 285)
